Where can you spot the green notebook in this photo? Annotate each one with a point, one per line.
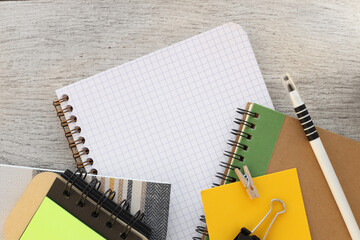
(268, 141)
(257, 136)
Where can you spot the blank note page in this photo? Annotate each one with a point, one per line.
(166, 116)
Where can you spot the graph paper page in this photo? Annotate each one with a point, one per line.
(166, 116)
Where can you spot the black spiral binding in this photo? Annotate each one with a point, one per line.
(123, 206)
(70, 182)
(69, 134)
(109, 194)
(137, 217)
(94, 184)
(202, 230)
(104, 201)
(232, 155)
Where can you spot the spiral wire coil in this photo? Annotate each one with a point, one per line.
(109, 194)
(69, 134)
(239, 133)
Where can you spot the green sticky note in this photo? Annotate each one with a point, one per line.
(53, 222)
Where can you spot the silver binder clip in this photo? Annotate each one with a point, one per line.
(247, 182)
(245, 233)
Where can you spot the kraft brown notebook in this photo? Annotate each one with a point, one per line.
(268, 141)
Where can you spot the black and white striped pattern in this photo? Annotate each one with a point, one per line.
(157, 202)
(306, 122)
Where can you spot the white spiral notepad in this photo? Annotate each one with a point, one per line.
(166, 116)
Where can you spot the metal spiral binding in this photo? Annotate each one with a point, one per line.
(241, 134)
(202, 218)
(94, 184)
(246, 123)
(224, 177)
(237, 144)
(69, 134)
(124, 206)
(247, 112)
(108, 195)
(69, 183)
(137, 217)
(227, 165)
(201, 230)
(232, 156)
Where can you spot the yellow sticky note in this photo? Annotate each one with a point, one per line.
(228, 208)
(53, 222)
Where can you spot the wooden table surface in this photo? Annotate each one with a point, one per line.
(45, 45)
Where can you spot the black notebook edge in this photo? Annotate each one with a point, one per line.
(108, 205)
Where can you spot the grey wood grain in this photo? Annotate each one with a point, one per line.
(45, 45)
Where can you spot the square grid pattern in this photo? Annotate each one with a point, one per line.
(166, 116)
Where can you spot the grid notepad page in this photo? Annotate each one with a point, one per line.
(166, 116)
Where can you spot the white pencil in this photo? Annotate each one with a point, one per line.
(322, 158)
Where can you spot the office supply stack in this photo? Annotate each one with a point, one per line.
(267, 142)
(164, 117)
(163, 120)
(47, 204)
